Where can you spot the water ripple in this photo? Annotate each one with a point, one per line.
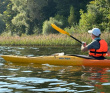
(32, 80)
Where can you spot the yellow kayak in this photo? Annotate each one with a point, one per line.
(67, 60)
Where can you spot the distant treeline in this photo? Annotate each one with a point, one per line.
(35, 16)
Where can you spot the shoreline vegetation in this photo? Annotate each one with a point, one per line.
(48, 40)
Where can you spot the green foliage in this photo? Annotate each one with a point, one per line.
(63, 7)
(2, 24)
(8, 16)
(22, 16)
(33, 16)
(20, 19)
(3, 4)
(61, 19)
(74, 29)
(37, 30)
(47, 28)
(27, 16)
(72, 18)
(97, 15)
(69, 29)
(87, 20)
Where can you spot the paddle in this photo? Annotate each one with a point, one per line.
(64, 32)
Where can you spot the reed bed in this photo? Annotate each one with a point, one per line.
(48, 40)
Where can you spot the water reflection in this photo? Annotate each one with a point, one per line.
(35, 78)
(97, 77)
(37, 51)
(40, 78)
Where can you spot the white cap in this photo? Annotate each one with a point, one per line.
(95, 31)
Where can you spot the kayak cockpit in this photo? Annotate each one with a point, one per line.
(82, 56)
(88, 57)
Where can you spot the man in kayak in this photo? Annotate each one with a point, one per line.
(98, 47)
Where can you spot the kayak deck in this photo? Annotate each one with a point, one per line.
(52, 60)
(68, 60)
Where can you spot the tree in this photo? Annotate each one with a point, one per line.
(49, 10)
(2, 24)
(47, 28)
(97, 15)
(28, 14)
(72, 18)
(35, 15)
(25, 16)
(20, 19)
(7, 17)
(63, 7)
(3, 5)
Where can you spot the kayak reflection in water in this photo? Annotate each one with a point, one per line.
(97, 77)
(98, 48)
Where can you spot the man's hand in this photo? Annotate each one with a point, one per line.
(83, 47)
(83, 44)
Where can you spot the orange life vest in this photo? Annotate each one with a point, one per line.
(101, 52)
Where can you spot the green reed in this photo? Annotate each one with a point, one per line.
(48, 40)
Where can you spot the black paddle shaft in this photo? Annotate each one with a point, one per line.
(76, 39)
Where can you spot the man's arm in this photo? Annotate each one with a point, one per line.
(92, 45)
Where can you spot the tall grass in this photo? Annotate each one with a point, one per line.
(48, 40)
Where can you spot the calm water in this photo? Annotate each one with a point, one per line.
(34, 78)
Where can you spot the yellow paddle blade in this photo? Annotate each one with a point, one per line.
(59, 29)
